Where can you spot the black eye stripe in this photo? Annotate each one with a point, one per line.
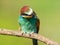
(25, 14)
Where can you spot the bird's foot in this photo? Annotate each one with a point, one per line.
(22, 32)
(30, 33)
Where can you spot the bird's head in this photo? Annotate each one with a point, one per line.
(26, 12)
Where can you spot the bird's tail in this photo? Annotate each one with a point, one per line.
(35, 42)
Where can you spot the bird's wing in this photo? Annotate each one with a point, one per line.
(37, 25)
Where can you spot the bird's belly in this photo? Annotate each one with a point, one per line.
(29, 28)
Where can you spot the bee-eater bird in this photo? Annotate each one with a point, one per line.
(28, 22)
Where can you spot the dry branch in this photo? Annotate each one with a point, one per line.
(35, 36)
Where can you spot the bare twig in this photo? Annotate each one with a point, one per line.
(35, 36)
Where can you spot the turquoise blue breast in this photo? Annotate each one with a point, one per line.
(27, 25)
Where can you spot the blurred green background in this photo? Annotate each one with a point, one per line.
(48, 11)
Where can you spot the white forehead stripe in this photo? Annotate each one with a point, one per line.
(30, 12)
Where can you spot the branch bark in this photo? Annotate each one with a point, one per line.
(34, 35)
